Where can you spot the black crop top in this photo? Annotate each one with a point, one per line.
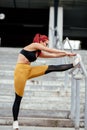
(30, 55)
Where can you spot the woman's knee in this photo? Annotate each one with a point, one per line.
(18, 97)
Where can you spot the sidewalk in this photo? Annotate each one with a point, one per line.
(37, 128)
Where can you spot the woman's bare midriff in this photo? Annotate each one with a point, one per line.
(22, 59)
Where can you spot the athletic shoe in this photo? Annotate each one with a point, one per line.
(77, 60)
(15, 125)
(76, 65)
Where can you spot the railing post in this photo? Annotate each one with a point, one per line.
(85, 74)
(73, 96)
(75, 99)
(85, 103)
(77, 108)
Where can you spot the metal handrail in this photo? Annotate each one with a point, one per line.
(75, 88)
(75, 104)
(75, 92)
(75, 100)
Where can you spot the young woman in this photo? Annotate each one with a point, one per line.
(24, 70)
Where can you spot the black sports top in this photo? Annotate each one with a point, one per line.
(30, 55)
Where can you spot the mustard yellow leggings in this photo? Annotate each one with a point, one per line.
(23, 72)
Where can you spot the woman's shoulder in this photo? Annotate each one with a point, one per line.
(32, 46)
(35, 45)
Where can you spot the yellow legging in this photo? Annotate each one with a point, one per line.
(23, 72)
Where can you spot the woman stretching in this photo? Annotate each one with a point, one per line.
(24, 70)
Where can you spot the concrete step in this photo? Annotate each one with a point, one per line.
(37, 89)
(40, 106)
(23, 127)
(32, 117)
(37, 113)
(42, 122)
(38, 102)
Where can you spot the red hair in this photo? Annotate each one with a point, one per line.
(38, 37)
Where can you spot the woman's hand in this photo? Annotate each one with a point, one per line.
(70, 54)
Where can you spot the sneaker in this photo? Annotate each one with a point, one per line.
(76, 65)
(15, 125)
(77, 60)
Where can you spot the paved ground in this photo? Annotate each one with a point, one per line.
(37, 128)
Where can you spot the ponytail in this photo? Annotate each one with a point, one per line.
(38, 37)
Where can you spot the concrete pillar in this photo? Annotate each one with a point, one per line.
(51, 26)
(60, 23)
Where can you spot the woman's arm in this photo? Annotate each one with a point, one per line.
(45, 54)
(54, 52)
(50, 50)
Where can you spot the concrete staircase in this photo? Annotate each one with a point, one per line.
(47, 100)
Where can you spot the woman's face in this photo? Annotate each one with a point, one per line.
(45, 43)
